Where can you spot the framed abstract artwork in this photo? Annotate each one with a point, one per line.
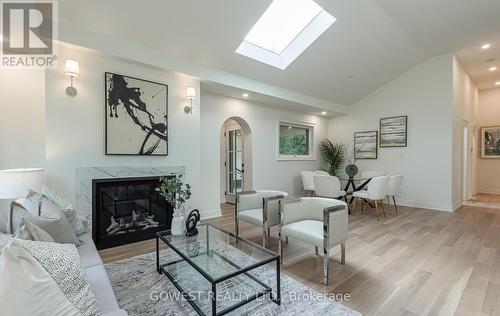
(393, 131)
(366, 145)
(490, 142)
(136, 116)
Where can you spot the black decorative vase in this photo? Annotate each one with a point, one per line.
(351, 170)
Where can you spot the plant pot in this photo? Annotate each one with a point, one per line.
(178, 223)
(351, 170)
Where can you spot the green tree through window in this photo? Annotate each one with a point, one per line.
(294, 141)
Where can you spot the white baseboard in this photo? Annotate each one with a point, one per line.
(210, 214)
(428, 205)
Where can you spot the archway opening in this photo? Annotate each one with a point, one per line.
(235, 158)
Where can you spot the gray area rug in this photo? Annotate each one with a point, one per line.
(140, 290)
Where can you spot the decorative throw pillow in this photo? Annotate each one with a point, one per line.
(51, 220)
(68, 210)
(27, 289)
(29, 231)
(43, 278)
(32, 202)
(4, 216)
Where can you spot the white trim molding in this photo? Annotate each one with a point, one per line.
(430, 205)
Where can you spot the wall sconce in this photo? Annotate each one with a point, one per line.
(72, 69)
(190, 94)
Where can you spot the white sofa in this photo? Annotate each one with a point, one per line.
(91, 261)
(98, 278)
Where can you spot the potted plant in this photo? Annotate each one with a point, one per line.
(175, 192)
(334, 154)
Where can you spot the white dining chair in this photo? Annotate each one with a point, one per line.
(393, 189)
(259, 208)
(328, 187)
(377, 192)
(371, 174)
(317, 221)
(308, 182)
(321, 172)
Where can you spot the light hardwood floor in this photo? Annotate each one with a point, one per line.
(416, 262)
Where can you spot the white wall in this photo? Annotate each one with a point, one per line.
(465, 109)
(424, 93)
(268, 173)
(75, 126)
(488, 170)
(22, 120)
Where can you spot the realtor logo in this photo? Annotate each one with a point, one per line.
(28, 34)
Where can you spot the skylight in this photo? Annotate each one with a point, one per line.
(284, 31)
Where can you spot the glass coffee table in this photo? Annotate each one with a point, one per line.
(216, 271)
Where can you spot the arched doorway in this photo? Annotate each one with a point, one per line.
(236, 158)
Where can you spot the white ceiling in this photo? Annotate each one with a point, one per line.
(371, 43)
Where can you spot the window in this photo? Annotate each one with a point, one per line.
(295, 142)
(284, 31)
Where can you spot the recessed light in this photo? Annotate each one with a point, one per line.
(486, 46)
(493, 68)
(323, 113)
(289, 127)
(245, 95)
(497, 83)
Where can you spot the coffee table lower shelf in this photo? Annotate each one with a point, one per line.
(212, 293)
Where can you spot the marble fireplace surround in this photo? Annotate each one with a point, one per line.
(85, 175)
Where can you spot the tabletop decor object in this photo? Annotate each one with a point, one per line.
(191, 222)
(175, 192)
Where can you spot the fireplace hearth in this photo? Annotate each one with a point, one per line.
(127, 210)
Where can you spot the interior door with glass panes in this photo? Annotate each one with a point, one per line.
(235, 166)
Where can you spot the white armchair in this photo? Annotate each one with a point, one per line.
(320, 222)
(259, 208)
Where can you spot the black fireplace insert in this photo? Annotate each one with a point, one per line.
(127, 210)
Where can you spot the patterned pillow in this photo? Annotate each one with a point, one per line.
(32, 202)
(76, 223)
(62, 262)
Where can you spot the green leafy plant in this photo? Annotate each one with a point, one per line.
(334, 154)
(174, 191)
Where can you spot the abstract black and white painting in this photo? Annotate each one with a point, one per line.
(136, 116)
(366, 145)
(490, 142)
(393, 131)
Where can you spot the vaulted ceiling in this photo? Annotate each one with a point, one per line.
(371, 42)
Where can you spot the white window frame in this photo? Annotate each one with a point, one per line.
(312, 141)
